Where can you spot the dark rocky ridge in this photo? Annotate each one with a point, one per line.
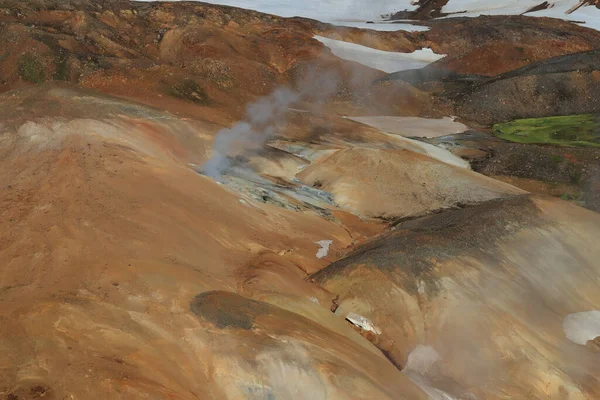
(564, 85)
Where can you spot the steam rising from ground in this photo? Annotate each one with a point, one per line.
(422, 359)
(263, 117)
(420, 362)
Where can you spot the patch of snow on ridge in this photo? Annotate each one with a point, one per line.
(356, 13)
(324, 250)
(430, 150)
(589, 16)
(352, 13)
(413, 126)
(489, 7)
(384, 26)
(362, 322)
(387, 61)
(582, 327)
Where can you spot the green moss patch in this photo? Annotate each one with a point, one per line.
(571, 130)
(31, 69)
(215, 71)
(189, 90)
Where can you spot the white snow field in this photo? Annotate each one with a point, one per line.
(387, 61)
(413, 126)
(357, 12)
(353, 13)
(587, 16)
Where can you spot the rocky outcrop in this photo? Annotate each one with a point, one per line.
(424, 10)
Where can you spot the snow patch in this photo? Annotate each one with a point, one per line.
(430, 150)
(582, 327)
(362, 322)
(414, 126)
(324, 250)
(387, 61)
(588, 16)
(356, 13)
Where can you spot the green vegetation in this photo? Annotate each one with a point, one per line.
(31, 69)
(61, 57)
(190, 91)
(213, 70)
(571, 130)
(577, 199)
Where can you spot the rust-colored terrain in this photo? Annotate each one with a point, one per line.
(327, 259)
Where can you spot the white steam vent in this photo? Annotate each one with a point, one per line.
(262, 120)
(422, 359)
(420, 362)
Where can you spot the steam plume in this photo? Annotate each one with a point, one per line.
(261, 121)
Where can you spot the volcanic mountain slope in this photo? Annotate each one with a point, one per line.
(491, 45)
(109, 237)
(127, 272)
(121, 266)
(121, 261)
(562, 85)
(482, 293)
(174, 54)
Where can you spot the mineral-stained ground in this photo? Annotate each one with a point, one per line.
(196, 204)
